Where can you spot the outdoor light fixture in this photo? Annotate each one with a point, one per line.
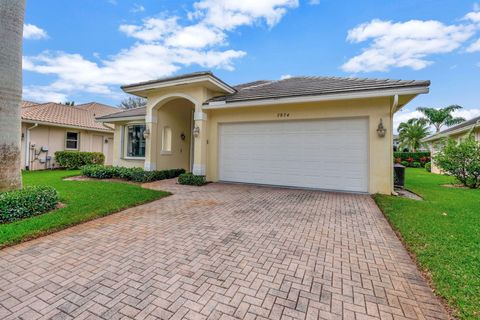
(146, 133)
(196, 131)
(182, 136)
(381, 129)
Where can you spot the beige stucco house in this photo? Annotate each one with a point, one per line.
(457, 132)
(310, 132)
(51, 127)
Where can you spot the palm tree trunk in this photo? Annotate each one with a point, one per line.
(11, 34)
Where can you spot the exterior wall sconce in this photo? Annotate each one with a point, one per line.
(182, 136)
(381, 129)
(106, 140)
(146, 133)
(196, 131)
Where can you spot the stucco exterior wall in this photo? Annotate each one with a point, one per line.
(380, 155)
(53, 138)
(434, 146)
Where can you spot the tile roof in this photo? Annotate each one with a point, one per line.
(291, 87)
(306, 86)
(99, 109)
(26, 103)
(464, 125)
(60, 114)
(179, 77)
(136, 112)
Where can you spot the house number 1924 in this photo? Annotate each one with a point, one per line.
(283, 115)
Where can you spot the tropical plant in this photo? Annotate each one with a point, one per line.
(441, 117)
(132, 103)
(411, 133)
(11, 29)
(462, 160)
(70, 103)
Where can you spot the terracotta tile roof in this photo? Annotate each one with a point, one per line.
(99, 109)
(82, 116)
(26, 103)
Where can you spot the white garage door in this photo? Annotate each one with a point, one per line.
(321, 154)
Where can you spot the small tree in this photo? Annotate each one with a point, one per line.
(411, 133)
(441, 117)
(132, 103)
(461, 160)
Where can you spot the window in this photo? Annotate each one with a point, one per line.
(167, 139)
(135, 141)
(71, 141)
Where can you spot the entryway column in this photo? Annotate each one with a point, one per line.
(200, 141)
(151, 148)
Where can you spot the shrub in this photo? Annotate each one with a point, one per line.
(27, 202)
(416, 165)
(77, 159)
(191, 179)
(405, 163)
(398, 160)
(421, 157)
(428, 166)
(461, 160)
(131, 174)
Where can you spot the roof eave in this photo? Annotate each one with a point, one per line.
(53, 124)
(139, 88)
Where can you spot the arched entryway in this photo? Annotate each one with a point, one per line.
(174, 140)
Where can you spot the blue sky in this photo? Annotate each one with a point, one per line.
(84, 50)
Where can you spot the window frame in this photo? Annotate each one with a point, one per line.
(76, 140)
(166, 143)
(126, 142)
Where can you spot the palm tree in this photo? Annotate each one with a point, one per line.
(411, 133)
(11, 29)
(441, 117)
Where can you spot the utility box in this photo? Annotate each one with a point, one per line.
(399, 175)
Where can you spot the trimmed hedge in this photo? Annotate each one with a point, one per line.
(78, 159)
(27, 202)
(130, 174)
(412, 159)
(191, 179)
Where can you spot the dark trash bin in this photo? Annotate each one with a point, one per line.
(399, 175)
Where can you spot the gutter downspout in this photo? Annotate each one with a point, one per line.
(392, 112)
(27, 146)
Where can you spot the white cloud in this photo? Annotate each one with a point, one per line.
(285, 76)
(137, 8)
(473, 16)
(405, 44)
(43, 94)
(227, 14)
(474, 47)
(32, 32)
(152, 29)
(164, 46)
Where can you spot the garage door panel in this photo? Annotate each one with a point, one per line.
(324, 154)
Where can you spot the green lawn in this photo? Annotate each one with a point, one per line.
(444, 233)
(84, 200)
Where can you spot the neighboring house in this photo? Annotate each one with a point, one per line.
(51, 127)
(312, 132)
(455, 132)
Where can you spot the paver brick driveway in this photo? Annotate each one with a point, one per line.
(217, 252)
